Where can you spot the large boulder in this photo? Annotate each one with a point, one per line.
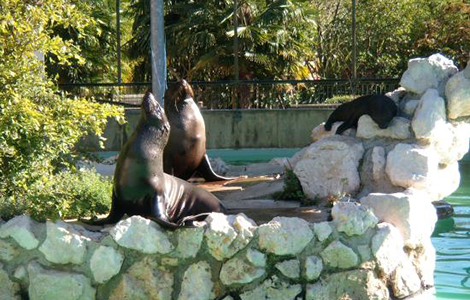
(330, 167)
(319, 131)
(410, 165)
(398, 129)
(451, 136)
(458, 94)
(425, 73)
(411, 213)
(429, 115)
(387, 247)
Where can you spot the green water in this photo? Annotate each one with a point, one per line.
(451, 238)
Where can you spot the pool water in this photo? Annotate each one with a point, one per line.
(451, 238)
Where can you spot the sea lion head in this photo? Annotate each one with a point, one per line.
(385, 111)
(177, 93)
(153, 115)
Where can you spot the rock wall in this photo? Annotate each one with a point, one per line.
(376, 247)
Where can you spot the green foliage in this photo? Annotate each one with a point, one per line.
(340, 99)
(292, 189)
(39, 127)
(67, 195)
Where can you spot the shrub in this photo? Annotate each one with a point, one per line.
(292, 189)
(340, 99)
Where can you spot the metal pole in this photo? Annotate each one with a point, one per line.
(157, 49)
(354, 74)
(235, 53)
(118, 33)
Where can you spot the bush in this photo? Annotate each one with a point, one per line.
(67, 195)
(340, 99)
(292, 189)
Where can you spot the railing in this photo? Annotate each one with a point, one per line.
(244, 94)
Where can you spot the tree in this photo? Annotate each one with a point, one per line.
(39, 126)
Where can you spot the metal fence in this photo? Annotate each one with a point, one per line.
(242, 94)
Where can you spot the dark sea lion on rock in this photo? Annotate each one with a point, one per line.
(185, 153)
(380, 108)
(140, 186)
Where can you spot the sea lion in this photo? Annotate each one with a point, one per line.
(185, 152)
(380, 108)
(142, 188)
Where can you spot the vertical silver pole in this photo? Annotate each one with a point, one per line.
(157, 49)
(118, 36)
(235, 55)
(354, 74)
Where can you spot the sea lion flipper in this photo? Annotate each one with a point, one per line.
(206, 171)
(114, 216)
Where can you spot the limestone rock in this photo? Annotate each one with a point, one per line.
(337, 255)
(425, 73)
(429, 115)
(9, 290)
(51, 285)
(404, 280)
(313, 267)
(8, 251)
(19, 228)
(446, 182)
(356, 284)
(226, 235)
(398, 129)
(285, 236)
(424, 261)
(145, 280)
(189, 241)
(352, 219)
(256, 258)
(458, 94)
(197, 283)
(239, 271)
(411, 213)
(378, 163)
(410, 107)
(142, 235)
(397, 95)
(64, 244)
(387, 247)
(330, 167)
(273, 289)
(289, 268)
(451, 136)
(105, 263)
(322, 230)
(412, 166)
(319, 132)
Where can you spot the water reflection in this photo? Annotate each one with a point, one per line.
(451, 238)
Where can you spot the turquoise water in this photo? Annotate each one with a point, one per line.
(451, 238)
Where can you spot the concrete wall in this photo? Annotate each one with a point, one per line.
(234, 129)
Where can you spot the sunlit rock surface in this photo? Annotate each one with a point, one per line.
(105, 263)
(313, 267)
(322, 230)
(20, 229)
(398, 129)
(337, 255)
(197, 282)
(9, 290)
(273, 289)
(387, 247)
(289, 268)
(457, 92)
(429, 115)
(239, 271)
(352, 219)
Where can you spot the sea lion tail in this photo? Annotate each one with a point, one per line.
(206, 171)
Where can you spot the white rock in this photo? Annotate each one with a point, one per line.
(239, 271)
(142, 235)
(424, 260)
(289, 268)
(64, 244)
(451, 141)
(412, 166)
(429, 115)
(397, 94)
(226, 235)
(322, 230)
(352, 219)
(404, 280)
(51, 285)
(256, 258)
(355, 284)
(398, 129)
(289, 162)
(285, 236)
(21, 274)
(197, 283)
(189, 241)
(144, 280)
(387, 247)
(319, 132)
(9, 290)
(411, 213)
(273, 289)
(410, 107)
(313, 267)
(378, 163)
(446, 182)
(105, 263)
(458, 94)
(330, 167)
(337, 255)
(8, 251)
(425, 73)
(20, 229)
